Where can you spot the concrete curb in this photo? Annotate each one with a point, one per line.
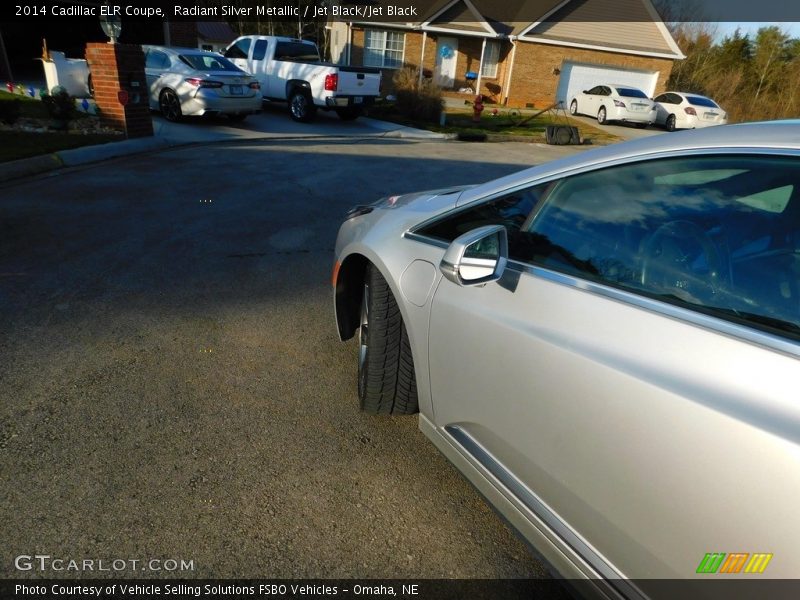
(36, 165)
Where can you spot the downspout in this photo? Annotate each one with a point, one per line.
(507, 86)
(422, 59)
(349, 43)
(480, 68)
(167, 37)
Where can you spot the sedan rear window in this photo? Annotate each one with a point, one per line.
(701, 101)
(631, 93)
(208, 62)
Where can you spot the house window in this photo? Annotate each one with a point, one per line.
(207, 47)
(383, 48)
(491, 56)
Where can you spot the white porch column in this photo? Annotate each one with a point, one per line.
(480, 68)
(507, 85)
(422, 58)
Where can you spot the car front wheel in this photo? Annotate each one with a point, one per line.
(386, 380)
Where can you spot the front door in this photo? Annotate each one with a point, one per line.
(446, 58)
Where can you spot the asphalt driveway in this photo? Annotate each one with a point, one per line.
(172, 387)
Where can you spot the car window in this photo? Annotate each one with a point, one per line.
(596, 90)
(511, 210)
(606, 91)
(296, 51)
(662, 98)
(631, 93)
(208, 62)
(701, 101)
(156, 60)
(675, 99)
(260, 50)
(240, 49)
(727, 243)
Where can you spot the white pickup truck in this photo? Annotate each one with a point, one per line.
(291, 70)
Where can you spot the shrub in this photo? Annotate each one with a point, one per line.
(60, 105)
(9, 110)
(415, 99)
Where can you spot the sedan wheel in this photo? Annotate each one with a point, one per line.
(170, 106)
(573, 108)
(671, 123)
(601, 115)
(386, 380)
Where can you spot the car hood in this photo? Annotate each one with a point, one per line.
(423, 200)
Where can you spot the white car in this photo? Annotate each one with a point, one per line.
(615, 102)
(185, 81)
(682, 110)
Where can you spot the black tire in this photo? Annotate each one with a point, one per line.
(351, 113)
(386, 380)
(671, 123)
(170, 105)
(573, 107)
(237, 117)
(601, 116)
(301, 106)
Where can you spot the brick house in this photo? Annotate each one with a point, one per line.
(541, 52)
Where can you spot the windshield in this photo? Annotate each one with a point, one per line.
(208, 62)
(631, 93)
(701, 101)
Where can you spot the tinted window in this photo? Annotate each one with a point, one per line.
(260, 50)
(719, 235)
(512, 210)
(208, 62)
(296, 51)
(662, 98)
(156, 60)
(701, 101)
(596, 91)
(631, 93)
(240, 49)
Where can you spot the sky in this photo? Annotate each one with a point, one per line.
(725, 29)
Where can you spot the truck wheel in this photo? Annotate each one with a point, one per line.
(301, 106)
(387, 383)
(351, 113)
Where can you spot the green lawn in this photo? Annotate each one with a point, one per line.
(507, 122)
(24, 144)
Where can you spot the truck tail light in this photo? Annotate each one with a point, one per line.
(690, 111)
(331, 82)
(203, 83)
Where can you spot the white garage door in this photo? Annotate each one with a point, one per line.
(576, 77)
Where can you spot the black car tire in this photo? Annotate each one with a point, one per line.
(386, 380)
(671, 123)
(351, 113)
(301, 106)
(170, 105)
(601, 116)
(573, 107)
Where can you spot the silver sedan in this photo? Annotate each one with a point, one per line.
(607, 346)
(185, 82)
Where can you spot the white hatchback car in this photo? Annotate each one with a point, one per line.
(615, 102)
(186, 81)
(681, 110)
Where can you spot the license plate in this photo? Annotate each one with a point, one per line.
(236, 90)
(710, 115)
(358, 100)
(638, 106)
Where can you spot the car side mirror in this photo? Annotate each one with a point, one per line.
(477, 257)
